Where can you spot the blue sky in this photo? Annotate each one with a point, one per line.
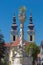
(9, 7)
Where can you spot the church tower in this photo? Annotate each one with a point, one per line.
(14, 32)
(31, 29)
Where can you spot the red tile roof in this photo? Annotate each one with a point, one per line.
(15, 43)
(7, 44)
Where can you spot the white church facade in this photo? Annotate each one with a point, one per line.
(15, 50)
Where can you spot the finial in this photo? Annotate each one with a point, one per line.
(30, 17)
(14, 18)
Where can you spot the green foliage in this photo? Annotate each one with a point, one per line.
(2, 48)
(35, 50)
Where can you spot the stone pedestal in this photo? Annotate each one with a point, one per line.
(21, 58)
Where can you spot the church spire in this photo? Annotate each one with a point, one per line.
(31, 29)
(14, 25)
(30, 18)
(14, 31)
(31, 25)
(14, 19)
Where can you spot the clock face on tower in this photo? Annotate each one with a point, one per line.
(14, 33)
(30, 32)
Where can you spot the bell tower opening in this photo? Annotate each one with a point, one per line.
(30, 37)
(13, 38)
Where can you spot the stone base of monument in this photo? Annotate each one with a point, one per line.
(22, 58)
(27, 61)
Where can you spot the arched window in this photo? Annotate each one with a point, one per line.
(30, 37)
(13, 38)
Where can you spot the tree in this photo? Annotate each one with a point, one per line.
(35, 50)
(2, 48)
